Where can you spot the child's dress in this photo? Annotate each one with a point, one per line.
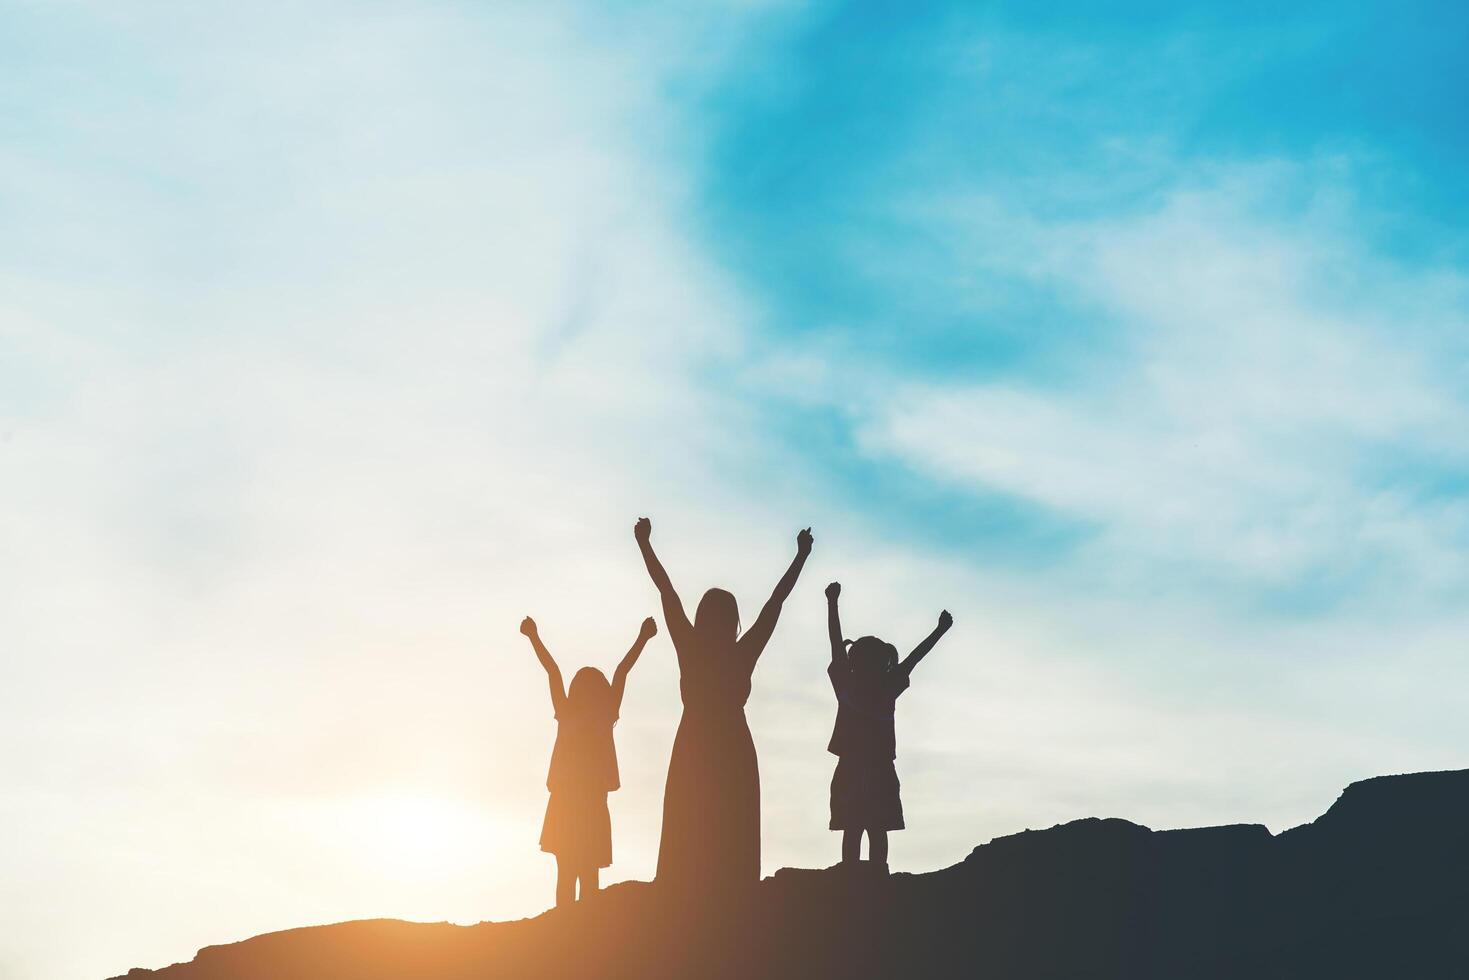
(864, 788)
(578, 828)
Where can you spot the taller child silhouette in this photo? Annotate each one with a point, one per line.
(578, 827)
(711, 805)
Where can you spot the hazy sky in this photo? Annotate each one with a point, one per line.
(336, 337)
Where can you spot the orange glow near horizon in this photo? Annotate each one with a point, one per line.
(404, 834)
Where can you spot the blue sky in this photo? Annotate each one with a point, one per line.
(845, 152)
(334, 338)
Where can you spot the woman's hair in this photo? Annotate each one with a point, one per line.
(873, 656)
(718, 616)
(589, 692)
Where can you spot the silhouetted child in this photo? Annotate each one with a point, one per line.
(578, 828)
(867, 679)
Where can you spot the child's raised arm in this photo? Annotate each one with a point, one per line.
(758, 635)
(834, 624)
(619, 676)
(553, 673)
(921, 650)
(673, 614)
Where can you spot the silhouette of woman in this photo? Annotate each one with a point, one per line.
(711, 805)
(578, 828)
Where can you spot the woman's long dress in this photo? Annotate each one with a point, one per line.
(711, 805)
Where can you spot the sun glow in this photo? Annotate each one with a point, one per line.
(408, 832)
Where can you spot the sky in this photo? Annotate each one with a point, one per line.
(335, 338)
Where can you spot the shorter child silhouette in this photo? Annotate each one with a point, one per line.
(578, 828)
(867, 680)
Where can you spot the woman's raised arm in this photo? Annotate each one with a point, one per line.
(755, 638)
(673, 614)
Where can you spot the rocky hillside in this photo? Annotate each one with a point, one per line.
(1376, 887)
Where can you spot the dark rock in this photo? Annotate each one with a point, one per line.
(1376, 887)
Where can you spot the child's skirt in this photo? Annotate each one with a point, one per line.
(578, 829)
(864, 795)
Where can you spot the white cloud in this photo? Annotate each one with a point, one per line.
(1271, 393)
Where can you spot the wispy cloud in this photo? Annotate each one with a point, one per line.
(1274, 405)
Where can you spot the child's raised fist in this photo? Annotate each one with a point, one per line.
(650, 628)
(528, 626)
(643, 529)
(945, 620)
(833, 590)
